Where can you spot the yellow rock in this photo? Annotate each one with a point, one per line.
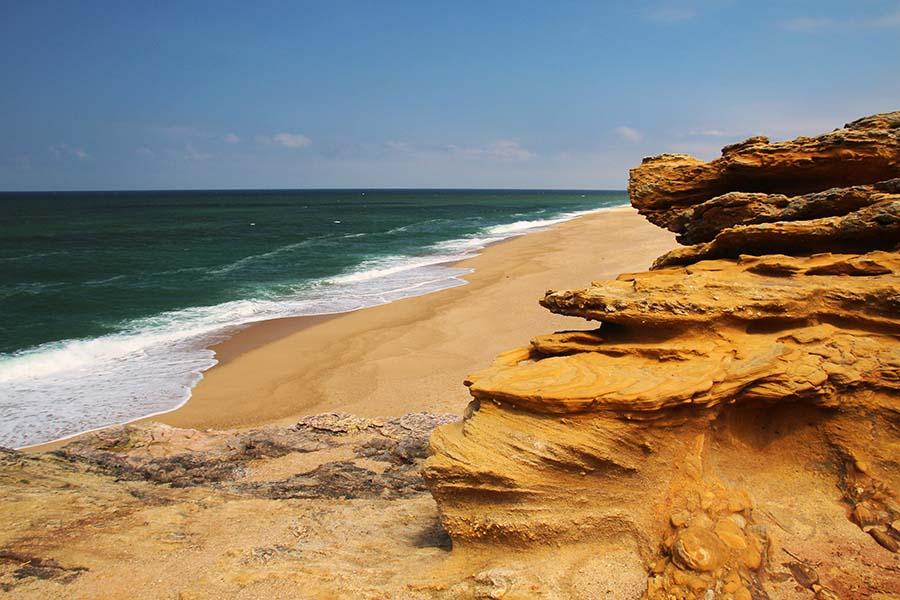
(752, 556)
(763, 347)
(731, 534)
(698, 549)
(742, 593)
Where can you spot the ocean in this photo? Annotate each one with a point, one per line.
(110, 300)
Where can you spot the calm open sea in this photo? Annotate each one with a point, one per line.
(109, 300)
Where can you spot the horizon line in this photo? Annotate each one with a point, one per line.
(318, 189)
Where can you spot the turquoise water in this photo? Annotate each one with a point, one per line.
(110, 299)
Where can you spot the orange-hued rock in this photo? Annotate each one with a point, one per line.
(664, 188)
(875, 226)
(734, 420)
(708, 219)
(742, 291)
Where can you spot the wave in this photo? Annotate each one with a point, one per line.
(425, 225)
(63, 388)
(242, 262)
(389, 265)
(31, 256)
(520, 227)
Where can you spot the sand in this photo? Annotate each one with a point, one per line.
(413, 354)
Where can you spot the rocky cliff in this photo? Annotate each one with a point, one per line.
(731, 429)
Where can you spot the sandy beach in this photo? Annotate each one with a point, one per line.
(412, 354)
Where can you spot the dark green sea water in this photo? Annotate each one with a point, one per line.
(109, 299)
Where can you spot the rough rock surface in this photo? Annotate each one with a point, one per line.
(186, 457)
(732, 428)
(333, 506)
(666, 188)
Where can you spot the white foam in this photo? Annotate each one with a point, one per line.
(63, 388)
(390, 265)
(520, 227)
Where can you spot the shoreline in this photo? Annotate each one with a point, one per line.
(413, 353)
(252, 381)
(261, 333)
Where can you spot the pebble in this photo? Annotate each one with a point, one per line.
(679, 518)
(739, 520)
(698, 549)
(728, 531)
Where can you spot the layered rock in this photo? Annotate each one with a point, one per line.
(734, 422)
(666, 188)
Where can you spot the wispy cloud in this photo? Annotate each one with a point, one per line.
(179, 132)
(710, 133)
(503, 149)
(178, 135)
(144, 151)
(500, 149)
(807, 23)
(62, 150)
(192, 153)
(629, 134)
(810, 24)
(400, 146)
(670, 13)
(287, 140)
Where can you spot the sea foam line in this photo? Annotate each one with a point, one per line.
(61, 389)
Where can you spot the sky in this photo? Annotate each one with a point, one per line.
(480, 94)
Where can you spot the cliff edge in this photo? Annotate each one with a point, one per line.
(732, 427)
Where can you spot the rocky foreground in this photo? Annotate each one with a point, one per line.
(331, 507)
(731, 430)
(732, 427)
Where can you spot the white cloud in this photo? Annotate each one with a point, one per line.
(399, 146)
(179, 133)
(817, 24)
(889, 20)
(288, 140)
(144, 151)
(710, 133)
(192, 153)
(60, 150)
(500, 149)
(807, 24)
(629, 134)
(671, 13)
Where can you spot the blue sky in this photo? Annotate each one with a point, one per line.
(138, 95)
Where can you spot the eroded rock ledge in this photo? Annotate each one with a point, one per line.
(667, 188)
(733, 425)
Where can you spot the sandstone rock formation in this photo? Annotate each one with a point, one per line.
(666, 188)
(732, 428)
